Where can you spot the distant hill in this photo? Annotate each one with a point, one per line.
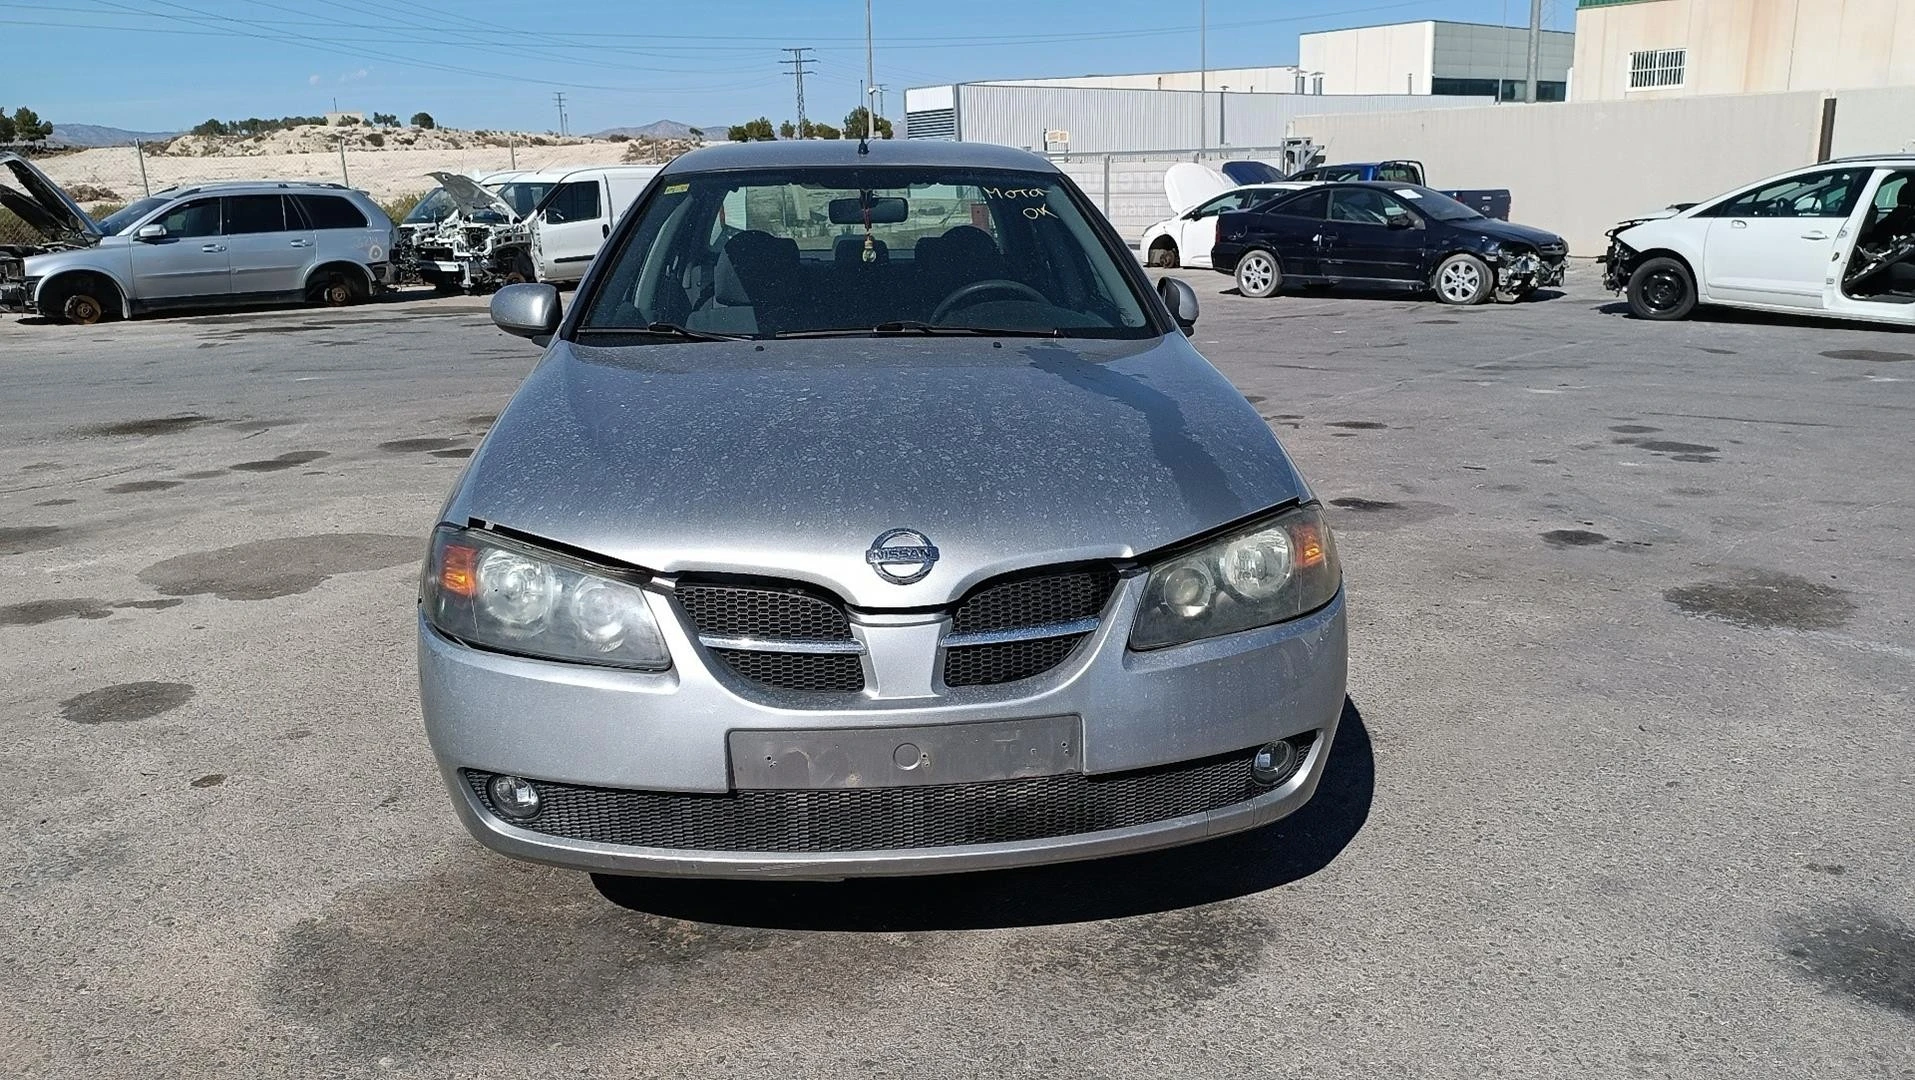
(95, 135)
(659, 129)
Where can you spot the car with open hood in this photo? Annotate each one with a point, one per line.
(203, 245)
(869, 513)
(1197, 195)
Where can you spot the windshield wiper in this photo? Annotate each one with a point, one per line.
(663, 329)
(913, 326)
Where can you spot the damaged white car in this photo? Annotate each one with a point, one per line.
(478, 235)
(1197, 194)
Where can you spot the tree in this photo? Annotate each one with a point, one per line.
(6, 127)
(384, 119)
(825, 131)
(209, 128)
(423, 120)
(856, 120)
(28, 127)
(758, 130)
(787, 131)
(695, 133)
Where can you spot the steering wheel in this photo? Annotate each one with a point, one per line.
(1893, 251)
(963, 293)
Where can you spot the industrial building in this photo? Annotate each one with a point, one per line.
(1436, 58)
(1405, 66)
(1629, 49)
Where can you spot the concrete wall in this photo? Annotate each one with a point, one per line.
(1874, 122)
(1747, 46)
(1577, 169)
(1132, 120)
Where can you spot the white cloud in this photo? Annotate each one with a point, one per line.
(312, 80)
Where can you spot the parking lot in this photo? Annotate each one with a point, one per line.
(1625, 786)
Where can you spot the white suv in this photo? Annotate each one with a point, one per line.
(1836, 239)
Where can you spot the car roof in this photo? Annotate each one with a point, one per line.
(242, 187)
(785, 153)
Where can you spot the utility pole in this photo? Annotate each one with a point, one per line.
(798, 72)
(1535, 47)
(1203, 74)
(559, 97)
(870, 76)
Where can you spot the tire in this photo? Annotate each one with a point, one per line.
(1662, 290)
(1463, 280)
(1163, 255)
(1259, 274)
(336, 288)
(521, 270)
(85, 301)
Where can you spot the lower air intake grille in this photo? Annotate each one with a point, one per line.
(874, 819)
(816, 673)
(984, 665)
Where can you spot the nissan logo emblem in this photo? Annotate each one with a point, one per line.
(902, 556)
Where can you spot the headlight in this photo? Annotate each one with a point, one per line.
(494, 593)
(1280, 569)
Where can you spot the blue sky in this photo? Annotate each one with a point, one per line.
(165, 64)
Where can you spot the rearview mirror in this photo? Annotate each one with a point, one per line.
(886, 211)
(527, 310)
(1181, 299)
(152, 232)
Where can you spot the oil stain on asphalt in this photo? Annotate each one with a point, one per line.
(1873, 356)
(1865, 954)
(457, 452)
(1765, 600)
(20, 539)
(1566, 538)
(266, 569)
(441, 958)
(1358, 425)
(140, 487)
(284, 461)
(160, 425)
(405, 446)
(37, 612)
(126, 702)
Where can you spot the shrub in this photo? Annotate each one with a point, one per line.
(93, 193)
(399, 207)
(618, 136)
(375, 139)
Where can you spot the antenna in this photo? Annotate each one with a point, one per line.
(864, 133)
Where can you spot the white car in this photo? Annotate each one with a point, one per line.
(1835, 238)
(1197, 195)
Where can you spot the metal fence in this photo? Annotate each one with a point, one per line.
(1129, 186)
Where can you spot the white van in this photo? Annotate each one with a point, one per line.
(575, 217)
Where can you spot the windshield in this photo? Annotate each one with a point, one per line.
(762, 253)
(120, 220)
(523, 196)
(1439, 206)
(433, 207)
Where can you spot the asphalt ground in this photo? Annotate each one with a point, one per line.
(1626, 784)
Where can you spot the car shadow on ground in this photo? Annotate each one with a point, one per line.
(215, 311)
(1746, 317)
(1351, 292)
(1222, 869)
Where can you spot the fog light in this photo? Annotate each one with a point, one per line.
(1272, 765)
(513, 796)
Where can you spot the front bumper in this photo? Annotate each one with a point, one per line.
(16, 295)
(670, 733)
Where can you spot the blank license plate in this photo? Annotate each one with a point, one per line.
(907, 757)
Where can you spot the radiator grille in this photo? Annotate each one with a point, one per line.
(1032, 601)
(762, 612)
(873, 819)
(984, 665)
(812, 673)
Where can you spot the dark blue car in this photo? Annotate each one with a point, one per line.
(1392, 235)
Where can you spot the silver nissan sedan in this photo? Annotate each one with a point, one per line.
(870, 514)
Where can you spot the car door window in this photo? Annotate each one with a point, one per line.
(1815, 195)
(1364, 206)
(1218, 205)
(197, 218)
(1313, 206)
(254, 214)
(576, 201)
(1398, 172)
(330, 212)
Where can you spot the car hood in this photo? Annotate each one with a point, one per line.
(1503, 230)
(1187, 183)
(471, 198)
(789, 458)
(42, 204)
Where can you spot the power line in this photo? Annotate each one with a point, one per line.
(798, 72)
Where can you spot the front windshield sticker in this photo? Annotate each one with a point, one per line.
(1408, 194)
(677, 189)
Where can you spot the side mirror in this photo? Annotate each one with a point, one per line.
(1181, 299)
(152, 232)
(527, 310)
(1401, 221)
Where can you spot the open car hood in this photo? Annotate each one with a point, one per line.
(471, 198)
(1187, 183)
(41, 203)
